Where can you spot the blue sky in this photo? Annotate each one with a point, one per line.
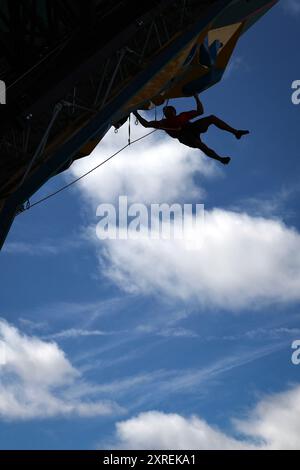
(140, 344)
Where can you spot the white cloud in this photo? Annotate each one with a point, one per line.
(275, 421)
(32, 325)
(157, 430)
(274, 424)
(275, 205)
(31, 249)
(137, 390)
(36, 379)
(198, 379)
(77, 333)
(151, 170)
(44, 248)
(241, 261)
(167, 332)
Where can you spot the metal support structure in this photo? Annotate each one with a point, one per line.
(100, 123)
(122, 54)
(14, 154)
(101, 81)
(42, 144)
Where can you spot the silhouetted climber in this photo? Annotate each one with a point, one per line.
(188, 133)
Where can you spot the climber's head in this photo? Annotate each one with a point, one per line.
(169, 111)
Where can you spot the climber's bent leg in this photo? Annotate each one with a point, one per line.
(214, 120)
(202, 125)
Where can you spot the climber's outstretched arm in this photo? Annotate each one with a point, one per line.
(146, 123)
(155, 124)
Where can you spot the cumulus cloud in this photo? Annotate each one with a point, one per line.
(275, 421)
(240, 261)
(274, 424)
(157, 430)
(243, 260)
(152, 170)
(36, 380)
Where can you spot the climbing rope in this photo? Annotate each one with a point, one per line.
(129, 129)
(28, 206)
